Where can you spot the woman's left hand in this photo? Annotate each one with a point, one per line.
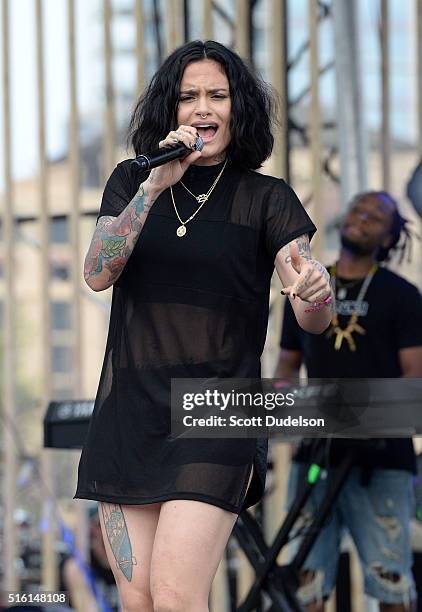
(313, 282)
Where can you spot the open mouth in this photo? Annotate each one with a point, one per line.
(206, 131)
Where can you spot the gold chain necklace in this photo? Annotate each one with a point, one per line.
(201, 199)
(352, 326)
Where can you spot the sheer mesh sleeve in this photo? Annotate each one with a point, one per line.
(117, 192)
(286, 219)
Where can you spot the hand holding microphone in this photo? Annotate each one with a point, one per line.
(176, 152)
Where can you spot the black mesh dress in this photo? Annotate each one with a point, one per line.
(188, 307)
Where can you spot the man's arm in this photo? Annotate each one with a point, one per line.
(411, 362)
(288, 365)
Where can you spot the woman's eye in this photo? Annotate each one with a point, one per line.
(184, 98)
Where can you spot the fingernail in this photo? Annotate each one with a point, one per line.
(283, 292)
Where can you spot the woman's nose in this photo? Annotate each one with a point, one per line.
(202, 112)
(202, 107)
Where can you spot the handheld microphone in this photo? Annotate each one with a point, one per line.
(153, 159)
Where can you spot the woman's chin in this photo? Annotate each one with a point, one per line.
(209, 158)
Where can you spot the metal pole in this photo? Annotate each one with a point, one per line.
(10, 580)
(140, 49)
(280, 162)
(186, 21)
(385, 96)
(75, 246)
(174, 24)
(109, 127)
(157, 30)
(350, 119)
(49, 565)
(242, 28)
(207, 28)
(274, 503)
(419, 70)
(315, 128)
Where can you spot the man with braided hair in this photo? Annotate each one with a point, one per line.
(376, 332)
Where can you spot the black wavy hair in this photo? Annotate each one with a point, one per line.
(253, 104)
(401, 235)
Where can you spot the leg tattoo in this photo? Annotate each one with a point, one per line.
(118, 537)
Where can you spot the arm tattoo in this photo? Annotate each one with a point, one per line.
(115, 237)
(305, 284)
(118, 537)
(303, 246)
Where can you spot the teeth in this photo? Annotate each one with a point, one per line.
(205, 125)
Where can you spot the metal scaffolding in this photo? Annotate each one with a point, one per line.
(301, 135)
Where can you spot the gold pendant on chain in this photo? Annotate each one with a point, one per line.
(181, 230)
(203, 197)
(346, 334)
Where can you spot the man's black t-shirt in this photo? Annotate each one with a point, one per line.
(391, 315)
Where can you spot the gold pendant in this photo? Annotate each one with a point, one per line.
(181, 230)
(345, 334)
(202, 198)
(339, 338)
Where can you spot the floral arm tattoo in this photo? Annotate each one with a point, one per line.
(115, 237)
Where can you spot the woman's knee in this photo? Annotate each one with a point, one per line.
(175, 600)
(135, 600)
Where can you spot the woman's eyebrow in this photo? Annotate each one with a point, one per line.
(194, 90)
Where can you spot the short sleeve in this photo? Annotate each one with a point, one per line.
(409, 317)
(117, 192)
(286, 219)
(290, 331)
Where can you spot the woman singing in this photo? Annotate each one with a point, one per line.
(190, 251)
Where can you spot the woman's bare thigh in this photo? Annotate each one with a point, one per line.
(189, 542)
(128, 533)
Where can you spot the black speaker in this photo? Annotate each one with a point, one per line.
(66, 423)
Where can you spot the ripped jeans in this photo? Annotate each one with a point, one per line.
(377, 517)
